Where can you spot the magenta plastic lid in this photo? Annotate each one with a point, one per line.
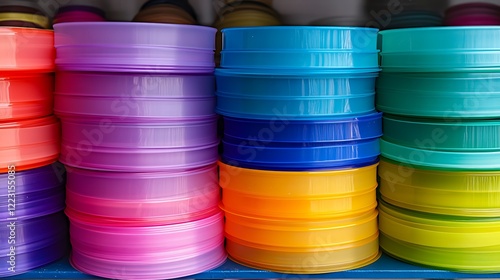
(134, 109)
(135, 85)
(133, 135)
(129, 34)
(87, 156)
(144, 198)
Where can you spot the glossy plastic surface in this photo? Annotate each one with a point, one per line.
(444, 105)
(296, 185)
(284, 131)
(35, 180)
(299, 38)
(85, 155)
(473, 14)
(25, 97)
(130, 86)
(144, 198)
(297, 108)
(440, 39)
(300, 157)
(447, 160)
(312, 261)
(116, 56)
(458, 193)
(33, 205)
(117, 109)
(465, 135)
(77, 16)
(26, 49)
(130, 34)
(132, 135)
(294, 84)
(305, 59)
(29, 144)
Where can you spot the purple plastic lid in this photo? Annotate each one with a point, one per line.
(36, 206)
(127, 34)
(146, 69)
(138, 160)
(130, 85)
(34, 180)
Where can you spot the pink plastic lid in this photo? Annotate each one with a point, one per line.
(129, 34)
(129, 85)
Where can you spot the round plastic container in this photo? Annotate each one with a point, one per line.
(305, 59)
(276, 38)
(77, 57)
(438, 231)
(85, 155)
(299, 157)
(31, 19)
(144, 198)
(305, 261)
(299, 208)
(473, 14)
(29, 144)
(440, 40)
(458, 193)
(294, 84)
(447, 160)
(128, 86)
(77, 16)
(25, 97)
(26, 49)
(184, 4)
(284, 131)
(39, 179)
(465, 135)
(133, 135)
(301, 234)
(165, 13)
(133, 109)
(448, 105)
(255, 182)
(441, 61)
(296, 108)
(475, 85)
(113, 252)
(135, 34)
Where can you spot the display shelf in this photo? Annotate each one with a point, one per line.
(385, 267)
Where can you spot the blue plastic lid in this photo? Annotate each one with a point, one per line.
(277, 38)
(284, 131)
(273, 156)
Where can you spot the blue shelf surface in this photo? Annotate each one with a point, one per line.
(385, 267)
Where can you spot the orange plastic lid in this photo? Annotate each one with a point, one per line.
(29, 144)
(26, 97)
(26, 49)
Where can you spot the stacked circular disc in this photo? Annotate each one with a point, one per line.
(23, 13)
(473, 14)
(440, 171)
(139, 137)
(300, 147)
(33, 227)
(167, 11)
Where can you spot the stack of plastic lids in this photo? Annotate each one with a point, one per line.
(33, 226)
(440, 171)
(167, 11)
(473, 14)
(78, 13)
(139, 137)
(23, 13)
(240, 13)
(300, 147)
